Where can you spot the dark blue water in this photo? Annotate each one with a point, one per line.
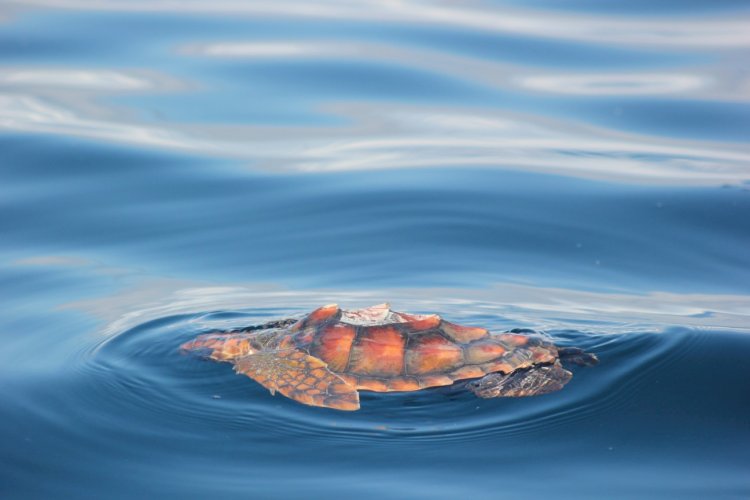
(578, 168)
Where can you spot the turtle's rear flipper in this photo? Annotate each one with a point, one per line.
(531, 382)
(299, 376)
(577, 356)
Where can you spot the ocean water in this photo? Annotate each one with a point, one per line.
(577, 168)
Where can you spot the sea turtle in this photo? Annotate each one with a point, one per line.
(324, 358)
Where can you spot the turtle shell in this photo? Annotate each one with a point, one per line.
(381, 350)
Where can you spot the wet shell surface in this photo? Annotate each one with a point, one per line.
(377, 349)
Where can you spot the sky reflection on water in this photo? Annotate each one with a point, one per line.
(334, 99)
(578, 168)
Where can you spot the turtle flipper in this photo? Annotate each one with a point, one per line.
(299, 376)
(221, 346)
(532, 382)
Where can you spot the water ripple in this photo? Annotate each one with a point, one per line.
(707, 32)
(141, 368)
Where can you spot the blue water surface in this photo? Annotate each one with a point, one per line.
(577, 168)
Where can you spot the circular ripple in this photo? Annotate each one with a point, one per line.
(140, 372)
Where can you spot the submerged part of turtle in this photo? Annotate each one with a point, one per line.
(325, 358)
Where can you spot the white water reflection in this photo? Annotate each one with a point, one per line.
(698, 33)
(544, 308)
(378, 136)
(383, 132)
(272, 49)
(71, 78)
(614, 84)
(25, 113)
(721, 81)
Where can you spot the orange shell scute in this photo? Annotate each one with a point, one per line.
(322, 314)
(420, 322)
(333, 345)
(543, 355)
(435, 380)
(483, 351)
(514, 339)
(432, 353)
(463, 334)
(379, 350)
(371, 384)
(316, 317)
(498, 366)
(403, 384)
(468, 371)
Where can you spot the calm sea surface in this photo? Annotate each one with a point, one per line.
(580, 168)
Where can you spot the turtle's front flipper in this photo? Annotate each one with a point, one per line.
(221, 346)
(531, 382)
(301, 377)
